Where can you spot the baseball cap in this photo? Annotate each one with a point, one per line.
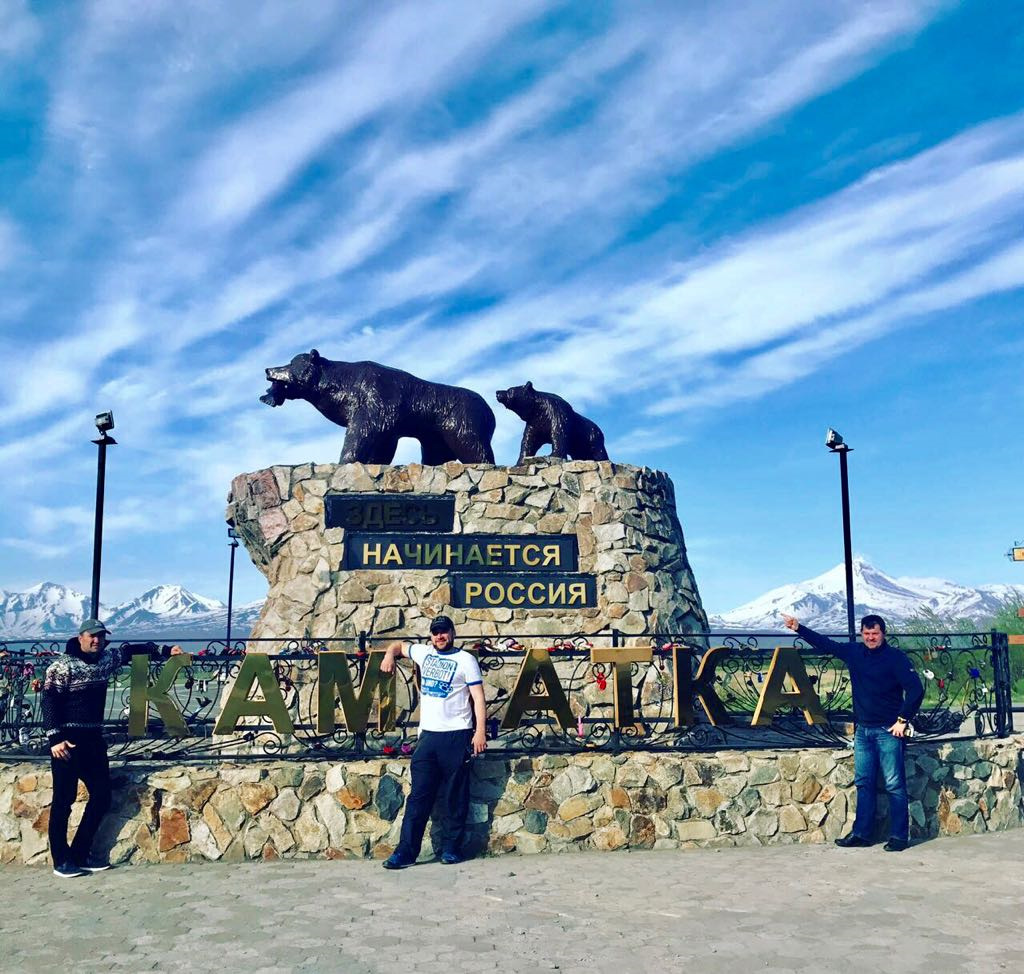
(442, 624)
(92, 626)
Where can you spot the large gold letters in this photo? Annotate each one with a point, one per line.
(537, 665)
(141, 695)
(622, 659)
(333, 674)
(255, 667)
(335, 680)
(786, 662)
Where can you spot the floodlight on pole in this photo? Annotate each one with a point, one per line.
(837, 444)
(233, 538)
(104, 423)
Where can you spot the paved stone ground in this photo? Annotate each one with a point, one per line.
(946, 905)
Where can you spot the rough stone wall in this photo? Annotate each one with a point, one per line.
(624, 518)
(525, 805)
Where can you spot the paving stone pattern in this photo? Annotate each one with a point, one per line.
(946, 905)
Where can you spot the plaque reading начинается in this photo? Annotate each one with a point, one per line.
(484, 552)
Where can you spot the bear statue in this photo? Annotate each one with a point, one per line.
(379, 405)
(550, 419)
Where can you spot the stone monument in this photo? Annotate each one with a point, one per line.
(549, 547)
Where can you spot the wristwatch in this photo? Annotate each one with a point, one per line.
(901, 720)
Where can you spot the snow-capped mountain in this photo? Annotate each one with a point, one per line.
(51, 610)
(821, 602)
(42, 610)
(159, 606)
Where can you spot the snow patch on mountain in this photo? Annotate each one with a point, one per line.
(50, 610)
(821, 602)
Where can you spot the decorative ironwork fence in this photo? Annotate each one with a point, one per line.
(969, 692)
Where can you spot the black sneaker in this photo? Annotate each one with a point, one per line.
(896, 845)
(68, 870)
(852, 841)
(94, 864)
(395, 861)
(450, 858)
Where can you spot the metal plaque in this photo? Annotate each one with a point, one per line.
(459, 552)
(523, 591)
(390, 512)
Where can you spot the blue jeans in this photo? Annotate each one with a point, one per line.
(875, 748)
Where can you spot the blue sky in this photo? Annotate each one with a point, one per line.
(716, 228)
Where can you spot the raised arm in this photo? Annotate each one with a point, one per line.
(150, 649)
(815, 639)
(395, 651)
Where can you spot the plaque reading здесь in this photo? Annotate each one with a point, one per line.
(484, 552)
(390, 512)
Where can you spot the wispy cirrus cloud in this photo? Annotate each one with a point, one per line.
(480, 195)
(19, 30)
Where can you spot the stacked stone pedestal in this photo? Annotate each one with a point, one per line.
(545, 803)
(624, 519)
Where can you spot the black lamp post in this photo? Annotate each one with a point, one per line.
(835, 443)
(104, 423)
(233, 535)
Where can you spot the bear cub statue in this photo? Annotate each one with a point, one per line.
(379, 405)
(550, 419)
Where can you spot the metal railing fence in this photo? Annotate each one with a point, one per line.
(970, 692)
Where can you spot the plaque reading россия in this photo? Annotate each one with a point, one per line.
(525, 590)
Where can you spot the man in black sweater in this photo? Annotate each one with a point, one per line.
(887, 693)
(73, 700)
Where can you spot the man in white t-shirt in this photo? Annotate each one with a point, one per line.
(451, 696)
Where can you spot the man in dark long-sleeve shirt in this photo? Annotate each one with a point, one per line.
(887, 693)
(73, 700)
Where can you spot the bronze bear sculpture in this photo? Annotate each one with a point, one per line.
(550, 419)
(379, 405)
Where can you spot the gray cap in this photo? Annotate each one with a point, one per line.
(92, 626)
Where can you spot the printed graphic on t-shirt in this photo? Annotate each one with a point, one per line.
(437, 673)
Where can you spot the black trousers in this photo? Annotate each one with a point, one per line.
(440, 764)
(88, 763)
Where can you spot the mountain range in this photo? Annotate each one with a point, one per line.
(49, 610)
(821, 602)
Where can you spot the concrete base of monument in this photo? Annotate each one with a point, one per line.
(549, 548)
(534, 804)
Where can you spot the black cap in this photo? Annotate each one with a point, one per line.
(442, 624)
